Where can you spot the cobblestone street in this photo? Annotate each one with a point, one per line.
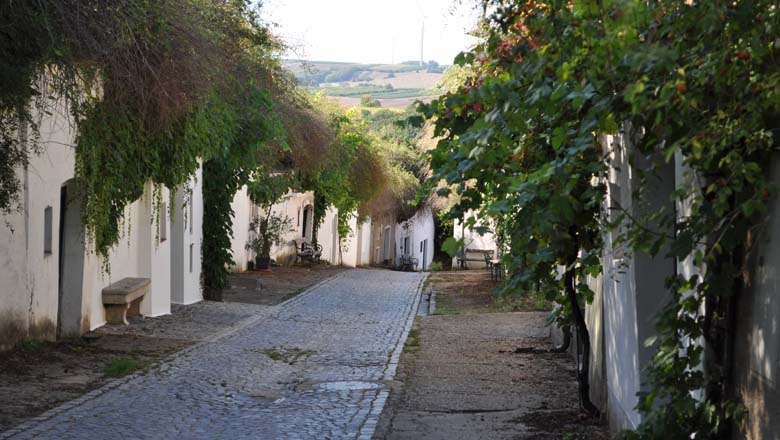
(313, 367)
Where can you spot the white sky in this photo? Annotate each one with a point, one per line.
(371, 31)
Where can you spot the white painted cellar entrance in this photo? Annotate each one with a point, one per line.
(71, 262)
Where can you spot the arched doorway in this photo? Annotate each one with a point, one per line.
(387, 246)
(308, 222)
(71, 262)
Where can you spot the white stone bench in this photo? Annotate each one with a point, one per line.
(123, 299)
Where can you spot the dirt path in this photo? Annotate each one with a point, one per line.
(461, 379)
(276, 286)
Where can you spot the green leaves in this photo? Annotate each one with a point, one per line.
(452, 246)
(560, 207)
(678, 82)
(558, 137)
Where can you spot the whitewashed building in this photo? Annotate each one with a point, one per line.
(299, 208)
(475, 243)
(51, 283)
(414, 237)
(630, 293)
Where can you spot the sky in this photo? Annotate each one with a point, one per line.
(371, 31)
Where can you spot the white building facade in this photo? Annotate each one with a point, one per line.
(630, 293)
(415, 238)
(299, 208)
(51, 285)
(474, 242)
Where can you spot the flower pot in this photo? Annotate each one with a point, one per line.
(262, 263)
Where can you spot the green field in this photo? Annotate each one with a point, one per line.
(351, 81)
(378, 92)
(314, 73)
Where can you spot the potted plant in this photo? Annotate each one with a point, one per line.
(269, 230)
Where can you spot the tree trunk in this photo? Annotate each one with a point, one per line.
(212, 294)
(720, 335)
(582, 328)
(564, 347)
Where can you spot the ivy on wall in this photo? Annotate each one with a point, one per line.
(350, 176)
(148, 86)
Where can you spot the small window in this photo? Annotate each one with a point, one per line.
(163, 222)
(47, 231)
(192, 249)
(192, 214)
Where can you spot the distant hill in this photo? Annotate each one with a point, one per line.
(391, 85)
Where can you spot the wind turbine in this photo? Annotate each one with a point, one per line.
(422, 34)
(422, 42)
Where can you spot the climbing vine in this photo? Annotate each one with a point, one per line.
(350, 176)
(244, 159)
(149, 87)
(524, 142)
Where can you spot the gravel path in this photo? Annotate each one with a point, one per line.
(461, 377)
(313, 367)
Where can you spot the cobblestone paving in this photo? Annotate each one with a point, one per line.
(277, 378)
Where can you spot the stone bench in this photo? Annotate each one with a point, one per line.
(123, 299)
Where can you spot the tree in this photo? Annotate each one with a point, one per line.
(368, 101)
(521, 144)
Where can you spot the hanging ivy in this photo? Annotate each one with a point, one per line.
(351, 175)
(243, 158)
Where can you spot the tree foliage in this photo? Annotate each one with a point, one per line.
(154, 89)
(150, 87)
(401, 145)
(351, 175)
(523, 142)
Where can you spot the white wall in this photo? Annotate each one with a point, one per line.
(420, 231)
(29, 297)
(356, 246)
(472, 240)
(425, 232)
(242, 215)
(620, 318)
(125, 260)
(186, 239)
(634, 285)
(328, 237)
(293, 205)
(160, 301)
(29, 280)
(364, 244)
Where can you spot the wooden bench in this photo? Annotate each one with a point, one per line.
(408, 263)
(485, 256)
(123, 299)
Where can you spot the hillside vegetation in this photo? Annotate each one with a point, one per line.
(386, 85)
